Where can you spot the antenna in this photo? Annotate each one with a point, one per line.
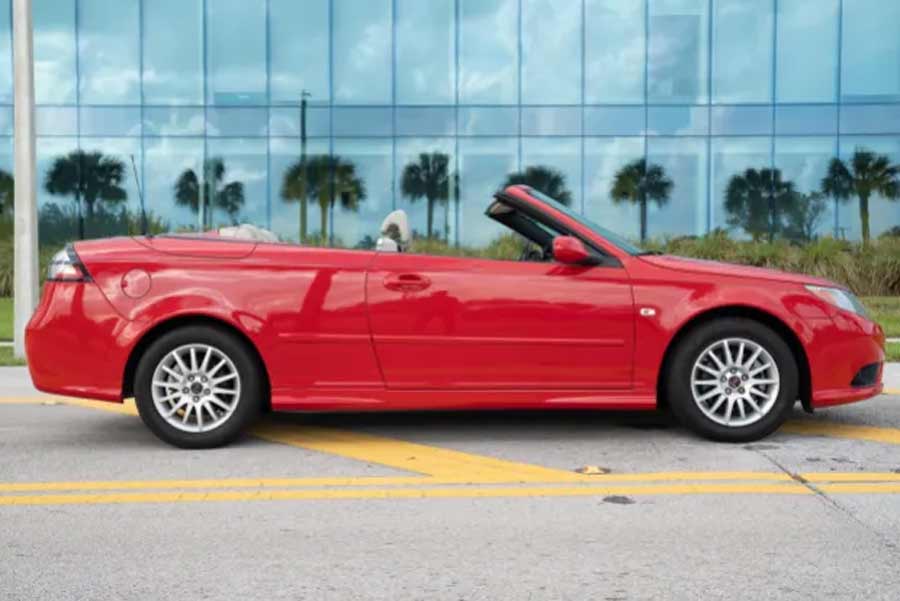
(137, 182)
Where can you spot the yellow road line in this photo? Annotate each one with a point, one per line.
(891, 391)
(838, 430)
(125, 408)
(404, 493)
(649, 477)
(854, 488)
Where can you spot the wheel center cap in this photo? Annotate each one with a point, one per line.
(734, 381)
(196, 388)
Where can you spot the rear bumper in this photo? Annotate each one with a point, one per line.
(75, 343)
(846, 361)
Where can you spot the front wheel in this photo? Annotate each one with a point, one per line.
(732, 379)
(198, 387)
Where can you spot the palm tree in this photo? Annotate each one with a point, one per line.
(429, 178)
(7, 191)
(328, 180)
(202, 195)
(543, 179)
(638, 183)
(757, 200)
(804, 215)
(867, 174)
(89, 177)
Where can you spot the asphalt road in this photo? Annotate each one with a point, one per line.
(444, 506)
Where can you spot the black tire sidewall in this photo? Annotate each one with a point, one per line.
(678, 387)
(248, 369)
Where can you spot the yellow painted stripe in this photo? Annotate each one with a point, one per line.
(838, 430)
(125, 408)
(403, 493)
(411, 457)
(891, 391)
(852, 477)
(859, 488)
(102, 485)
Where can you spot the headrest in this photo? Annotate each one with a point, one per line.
(396, 227)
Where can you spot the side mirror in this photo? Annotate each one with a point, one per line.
(571, 251)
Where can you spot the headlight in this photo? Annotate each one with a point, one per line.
(66, 267)
(839, 298)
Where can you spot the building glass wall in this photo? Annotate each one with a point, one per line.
(430, 105)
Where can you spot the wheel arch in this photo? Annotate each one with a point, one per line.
(168, 325)
(768, 319)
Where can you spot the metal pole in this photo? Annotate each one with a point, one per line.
(26, 224)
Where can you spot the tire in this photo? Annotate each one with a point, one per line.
(703, 406)
(191, 404)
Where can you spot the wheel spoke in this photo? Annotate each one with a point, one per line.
(728, 410)
(206, 358)
(741, 409)
(216, 369)
(758, 393)
(218, 403)
(193, 359)
(215, 381)
(706, 382)
(172, 372)
(728, 359)
(752, 403)
(716, 360)
(740, 353)
(767, 381)
(718, 404)
(759, 369)
(224, 391)
(708, 370)
(169, 385)
(180, 362)
(175, 409)
(753, 357)
(199, 410)
(186, 414)
(708, 395)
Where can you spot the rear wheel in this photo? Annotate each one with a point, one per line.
(198, 387)
(732, 379)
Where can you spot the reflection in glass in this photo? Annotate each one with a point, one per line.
(742, 47)
(551, 52)
(807, 51)
(483, 163)
(551, 121)
(362, 51)
(614, 51)
(866, 158)
(805, 119)
(292, 211)
(642, 184)
(6, 71)
(870, 65)
(870, 119)
(54, 52)
(173, 52)
(358, 227)
(426, 50)
(244, 164)
(431, 177)
(166, 159)
(555, 157)
(109, 52)
(678, 62)
(603, 159)
(488, 121)
(488, 51)
(299, 50)
(110, 121)
(614, 120)
(236, 71)
(207, 191)
(731, 158)
(684, 161)
(678, 120)
(739, 120)
(804, 161)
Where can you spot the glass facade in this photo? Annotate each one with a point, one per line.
(215, 110)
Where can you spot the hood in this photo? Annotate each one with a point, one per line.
(719, 268)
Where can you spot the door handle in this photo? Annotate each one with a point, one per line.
(406, 282)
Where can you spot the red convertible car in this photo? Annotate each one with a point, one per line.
(206, 331)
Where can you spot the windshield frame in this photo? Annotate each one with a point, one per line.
(613, 238)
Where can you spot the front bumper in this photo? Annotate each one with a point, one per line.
(75, 343)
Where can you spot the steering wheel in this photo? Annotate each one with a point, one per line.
(531, 253)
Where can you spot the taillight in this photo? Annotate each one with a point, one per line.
(67, 267)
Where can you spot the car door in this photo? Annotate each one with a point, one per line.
(461, 323)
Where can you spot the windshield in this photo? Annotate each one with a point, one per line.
(613, 237)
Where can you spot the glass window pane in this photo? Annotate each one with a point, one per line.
(796, 120)
(741, 120)
(424, 165)
(236, 122)
(353, 121)
(166, 161)
(173, 52)
(807, 51)
(6, 121)
(57, 213)
(109, 51)
(488, 51)
(299, 50)
(174, 121)
(870, 119)
(285, 121)
(54, 52)
(6, 70)
(743, 43)
(551, 52)
(883, 214)
(738, 194)
(483, 165)
(603, 159)
(56, 120)
(426, 50)
(246, 172)
(678, 120)
(678, 53)
(362, 51)
(236, 71)
(488, 121)
(614, 120)
(870, 67)
(614, 49)
(551, 121)
(804, 162)
(426, 121)
(287, 210)
(553, 166)
(684, 162)
(110, 121)
(356, 221)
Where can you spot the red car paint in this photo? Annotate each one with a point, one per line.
(360, 330)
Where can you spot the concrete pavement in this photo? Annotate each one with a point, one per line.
(446, 506)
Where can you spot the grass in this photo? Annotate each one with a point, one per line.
(892, 351)
(7, 359)
(6, 318)
(886, 311)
